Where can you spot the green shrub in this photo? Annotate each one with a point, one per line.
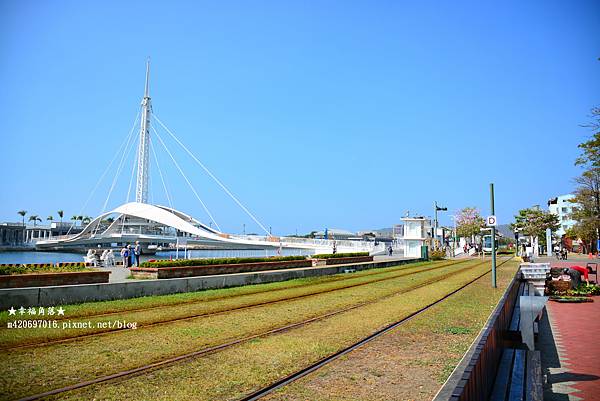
(585, 289)
(218, 261)
(6, 270)
(339, 255)
(437, 255)
(505, 252)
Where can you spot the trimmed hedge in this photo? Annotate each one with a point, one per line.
(339, 255)
(219, 261)
(437, 255)
(33, 268)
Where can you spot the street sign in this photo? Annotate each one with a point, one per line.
(490, 221)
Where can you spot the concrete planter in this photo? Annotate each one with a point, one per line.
(209, 270)
(353, 259)
(52, 279)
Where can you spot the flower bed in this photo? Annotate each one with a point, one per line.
(339, 255)
(341, 258)
(212, 269)
(53, 278)
(217, 261)
(35, 268)
(351, 259)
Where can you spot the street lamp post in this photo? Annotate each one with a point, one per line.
(455, 236)
(436, 208)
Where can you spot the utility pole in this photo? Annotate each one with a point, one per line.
(493, 237)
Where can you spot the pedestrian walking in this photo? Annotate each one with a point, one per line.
(137, 251)
(390, 250)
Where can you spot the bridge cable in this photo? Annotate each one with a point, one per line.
(212, 175)
(133, 170)
(161, 176)
(126, 139)
(186, 179)
(124, 156)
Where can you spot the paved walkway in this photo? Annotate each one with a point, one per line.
(570, 344)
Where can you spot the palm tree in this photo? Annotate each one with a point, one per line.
(22, 213)
(80, 218)
(74, 218)
(60, 214)
(35, 218)
(50, 218)
(86, 220)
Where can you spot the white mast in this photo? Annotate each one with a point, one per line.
(143, 169)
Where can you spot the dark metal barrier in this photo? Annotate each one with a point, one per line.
(473, 378)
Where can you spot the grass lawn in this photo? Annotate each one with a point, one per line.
(235, 371)
(34, 370)
(426, 351)
(210, 302)
(93, 308)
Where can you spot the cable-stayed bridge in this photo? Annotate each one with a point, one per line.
(157, 226)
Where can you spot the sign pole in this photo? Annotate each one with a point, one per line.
(493, 237)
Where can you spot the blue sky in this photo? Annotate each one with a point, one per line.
(315, 114)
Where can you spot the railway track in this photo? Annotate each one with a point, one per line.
(123, 375)
(197, 301)
(223, 311)
(319, 364)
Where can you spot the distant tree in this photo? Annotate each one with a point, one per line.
(60, 214)
(22, 213)
(469, 222)
(35, 218)
(533, 222)
(50, 218)
(86, 220)
(587, 191)
(590, 150)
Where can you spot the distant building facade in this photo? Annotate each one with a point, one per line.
(562, 206)
(12, 234)
(54, 230)
(415, 235)
(336, 233)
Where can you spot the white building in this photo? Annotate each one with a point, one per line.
(415, 235)
(562, 207)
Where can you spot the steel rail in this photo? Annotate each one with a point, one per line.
(342, 277)
(170, 361)
(215, 313)
(319, 364)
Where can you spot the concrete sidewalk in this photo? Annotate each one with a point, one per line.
(568, 341)
(570, 352)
